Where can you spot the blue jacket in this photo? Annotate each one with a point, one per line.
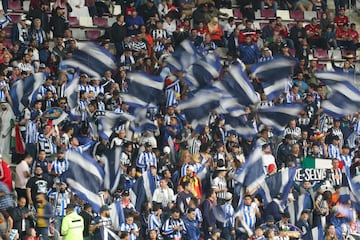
(193, 230)
(249, 53)
(130, 21)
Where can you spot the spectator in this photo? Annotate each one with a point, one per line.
(58, 22)
(23, 174)
(147, 10)
(43, 215)
(134, 22)
(78, 7)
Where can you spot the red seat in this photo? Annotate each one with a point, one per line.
(74, 22)
(267, 13)
(15, 6)
(101, 22)
(321, 54)
(92, 34)
(8, 30)
(297, 15)
(15, 17)
(237, 13)
(320, 66)
(347, 52)
(7, 43)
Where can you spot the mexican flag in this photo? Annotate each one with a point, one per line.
(320, 163)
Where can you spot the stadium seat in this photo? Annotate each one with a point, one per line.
(334, 54)
(284, 14)
(101, 22)
(267, 13)
(8, 30)
(320, 66)
(321, 54)
(86, 22)
(308, 15)
(347, 52)
(15, 6)
(74, 22)
(26, 6)
(258, 14)
(15, 17)
(297, 15)
(92, 34)
(229, 12)
(7, 43)
(237, 13)
(117, 10)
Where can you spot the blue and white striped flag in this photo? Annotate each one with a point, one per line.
(111, 120)
(24, 91)
(144, 90)
(279, 116)
(237, 84)
(198, 107)
(91, 59)
(117, 214)
(85, 177)
(273, 75)
(279, 184)
(108, 234)
(318, 233)
(185, 55)
(252, 173)
(72, 91)
(238, 125)
(112, 168)
(203, 72)
(332, 79)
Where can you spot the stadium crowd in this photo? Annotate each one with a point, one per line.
(193, 189)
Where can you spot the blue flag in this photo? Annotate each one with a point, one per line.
(112, 168)
(144, 90)
(91, 59)
(273, 75)
(85, 177)
(198, 107)
(117, 214)
(185, 55)
(24, 91)
(111, 120)
(237, 84)
(279, 116)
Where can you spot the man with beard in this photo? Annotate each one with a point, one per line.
(36, 185)
(60, 198)
(101, 221)
(60, 165)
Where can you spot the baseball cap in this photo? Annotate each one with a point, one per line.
(104, 208)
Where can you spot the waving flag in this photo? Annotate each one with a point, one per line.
(112, 168)
(273, 75)
(279, 184)
(24, 91)
(91, 59)
(252, 173)
(238, 125)
(108, 234)
(343, 99)
(237, 84)
(185, 55)
(334, 78)
(72, 91)
(85, 177)
(198, 107)
(108, 121)
(144, 90)
(201, 73)
(117, 214)
(279, 116)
